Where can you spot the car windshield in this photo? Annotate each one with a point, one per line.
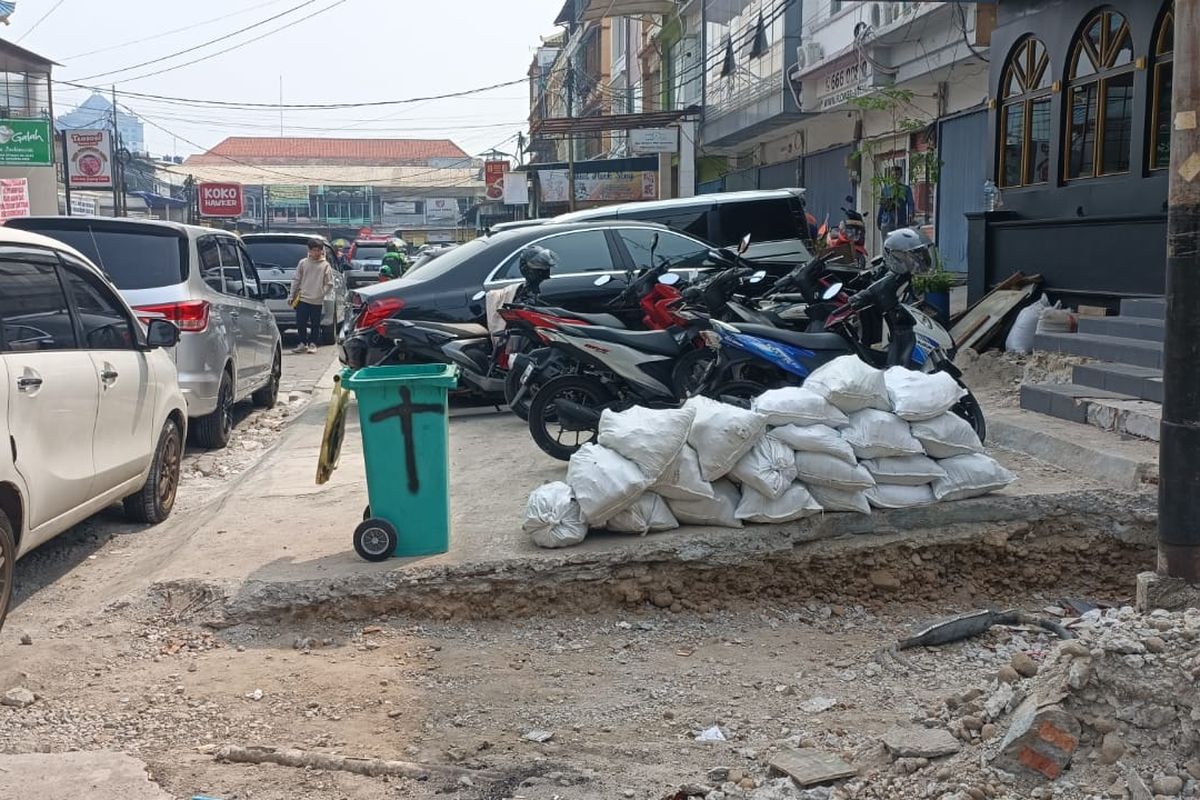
(145, 259)
(267, 254)
(765, 221)
(444, 263)
(369, 253)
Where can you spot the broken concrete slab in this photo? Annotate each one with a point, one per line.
(72, 776)
(1171, 594)
(1040, 739)
(810, 767)
(18, 697)
(912, 742)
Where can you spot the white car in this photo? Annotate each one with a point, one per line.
(90, 405)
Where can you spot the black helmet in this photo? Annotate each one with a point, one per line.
(907, 252)
(536, 263)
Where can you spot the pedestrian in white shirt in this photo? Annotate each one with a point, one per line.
(312, 281)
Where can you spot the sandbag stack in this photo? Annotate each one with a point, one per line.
(851, 439)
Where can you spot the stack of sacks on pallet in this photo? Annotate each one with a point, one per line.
(851, 439)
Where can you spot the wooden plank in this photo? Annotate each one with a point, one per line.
(985, 317)
(1093, 311)
(810, 767)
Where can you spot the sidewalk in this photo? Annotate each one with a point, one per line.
(280, 543)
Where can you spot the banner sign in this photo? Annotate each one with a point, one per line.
(654, 140)
(14, 198)
(221, 200)
(83, 206)
(441, 210)
(287, 197)
(25, 142)
(516, 189)
(493, 178)
(89, 159)
(598, 187)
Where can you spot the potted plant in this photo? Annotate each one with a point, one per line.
(935, 286)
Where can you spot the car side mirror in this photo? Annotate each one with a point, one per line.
(162, 333)
(602, 280)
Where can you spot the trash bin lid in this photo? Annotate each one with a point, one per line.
(438, 375)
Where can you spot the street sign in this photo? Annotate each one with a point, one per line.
(89, 159)
(221, 200)
(644, 141)
(83, 206)
(25, 142)
(493, 178)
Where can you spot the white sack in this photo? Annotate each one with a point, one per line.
(904, 470)
(604, 482)
(815, 439)
(892, 495)
(797, 405)
(650, 438)
(946, 436)
(840, 499)
(970, 476)
(1020, 336)
(648, 513)
(553, 517)
(722, 434)
(720, 510)
(682, 480)
(769, 468)
(822, 469)
(877, 434)
(850, 383)
(921, 395)
(794, 503)
(1056, 319)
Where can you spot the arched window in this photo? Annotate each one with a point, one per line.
(1100, 97)
(1025, 116)
(1164, 61)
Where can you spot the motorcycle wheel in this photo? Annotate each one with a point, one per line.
(690, 372)
(968, 408)
(543, 415)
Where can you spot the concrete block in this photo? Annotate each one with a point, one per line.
(912, 742)
(1040, 739)
(1152, 307)
(1159, 591)
(73, 776)
(1144, 383)
(1140, 328)
(1104, 348)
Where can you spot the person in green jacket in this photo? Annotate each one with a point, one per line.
(394, 262)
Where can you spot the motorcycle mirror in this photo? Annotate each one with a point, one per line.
(670, 279)
(479, 295)
(832, 292)
(758, 276)
(602, 280)
(744, 245)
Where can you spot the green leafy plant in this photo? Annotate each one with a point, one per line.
(923, 165)
(936, 281)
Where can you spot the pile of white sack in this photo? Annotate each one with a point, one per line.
(851, 439)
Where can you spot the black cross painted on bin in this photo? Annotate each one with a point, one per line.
(405, 412)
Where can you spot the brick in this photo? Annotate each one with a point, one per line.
(1040, 740)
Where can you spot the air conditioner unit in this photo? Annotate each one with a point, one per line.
(801, 58)
(814, 53)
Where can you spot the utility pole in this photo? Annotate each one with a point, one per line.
(115, 161)
(570, 137)
(1179, 482)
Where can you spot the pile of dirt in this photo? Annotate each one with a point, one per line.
(998, 375)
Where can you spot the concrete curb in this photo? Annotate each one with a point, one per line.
(1077, 448)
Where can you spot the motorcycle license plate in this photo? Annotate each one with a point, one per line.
(526, 374)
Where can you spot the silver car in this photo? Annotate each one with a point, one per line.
(205, 282)
(275, 256)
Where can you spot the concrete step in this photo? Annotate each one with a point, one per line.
(1143, 328)
(1144, 383)
(1150, 307)
(1103, 348)
(1086, 405)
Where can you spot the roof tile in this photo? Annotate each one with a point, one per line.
(298, 150)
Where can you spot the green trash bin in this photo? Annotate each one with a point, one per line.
(405, 434)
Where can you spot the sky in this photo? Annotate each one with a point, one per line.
(348, 51)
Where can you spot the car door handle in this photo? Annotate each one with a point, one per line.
(108, 375)
(26, 382)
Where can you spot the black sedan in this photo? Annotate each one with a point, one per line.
(450, 288)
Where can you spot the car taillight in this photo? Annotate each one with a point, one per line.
(376, 311)
(191, 316)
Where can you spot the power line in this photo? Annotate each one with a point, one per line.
(193, 26)
(40, 20)
(200, 46)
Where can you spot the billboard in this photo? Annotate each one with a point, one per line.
(441, 211)
(89, 159)
(493, 178)
(24, 142)
(598, 187)
(288, 197)
(221, 200)
(516, 189)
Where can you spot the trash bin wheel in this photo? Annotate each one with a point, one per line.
(375, 539)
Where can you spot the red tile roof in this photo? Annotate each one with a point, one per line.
(297, 150)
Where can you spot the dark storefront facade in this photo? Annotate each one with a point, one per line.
(1079, 131)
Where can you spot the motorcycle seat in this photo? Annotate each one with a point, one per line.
(607, 320)
(460, 330)
(807, 341)
(657, 342)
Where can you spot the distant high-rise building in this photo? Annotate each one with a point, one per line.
(96, 112)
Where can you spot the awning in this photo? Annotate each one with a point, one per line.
(575, 126)
(600, 9)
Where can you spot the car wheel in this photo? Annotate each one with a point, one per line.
(269, 394)
(8, 561)
(212, 430)
(329, 332)
(154, 501)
